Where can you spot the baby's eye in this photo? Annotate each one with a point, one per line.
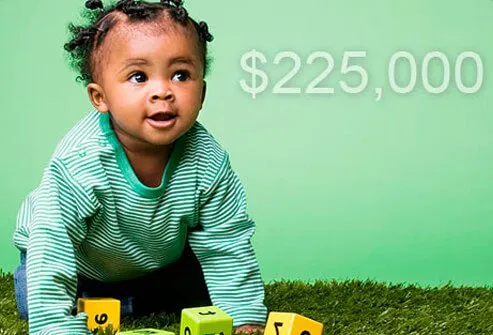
(181, 75)
(138, 77)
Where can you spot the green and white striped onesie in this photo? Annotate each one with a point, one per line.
(91, 215)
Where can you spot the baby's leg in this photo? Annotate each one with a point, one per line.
(122, 291)
(20, 285)
(174, 287)
(170, 289)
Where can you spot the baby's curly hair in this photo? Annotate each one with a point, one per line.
(85, 39)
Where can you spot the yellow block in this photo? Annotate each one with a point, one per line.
(280, 323)
(101, 312)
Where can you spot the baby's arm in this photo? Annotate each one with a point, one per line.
(57, 228)
(223, 248)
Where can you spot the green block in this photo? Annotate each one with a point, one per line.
(205, 321)
(146, 331)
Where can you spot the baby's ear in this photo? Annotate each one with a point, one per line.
(203, 92)
(97, 97)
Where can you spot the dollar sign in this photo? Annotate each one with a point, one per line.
(253, 56)
(101, 319)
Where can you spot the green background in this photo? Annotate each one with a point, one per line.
(341, 186)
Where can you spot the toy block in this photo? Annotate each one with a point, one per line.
(279, 323)
(146, 331)
(101, 312)
(205, 321)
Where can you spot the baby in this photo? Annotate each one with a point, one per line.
(138, 202)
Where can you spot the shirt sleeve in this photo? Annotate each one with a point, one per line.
(57, 227)
(223, 248)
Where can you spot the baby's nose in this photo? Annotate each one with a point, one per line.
(166, 95)
(162, 91)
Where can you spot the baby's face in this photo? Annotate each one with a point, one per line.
(152, 82)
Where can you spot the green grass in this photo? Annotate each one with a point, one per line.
(350, 307)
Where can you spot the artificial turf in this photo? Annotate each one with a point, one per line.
(348, 307)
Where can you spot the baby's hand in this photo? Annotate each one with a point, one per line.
(249, 329)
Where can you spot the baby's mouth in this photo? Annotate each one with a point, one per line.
(162, 120)
(162, 116)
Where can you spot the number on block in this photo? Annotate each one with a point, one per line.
(280, 323)
(205, 321)
(101, 312)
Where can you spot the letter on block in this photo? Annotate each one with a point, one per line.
(205, 321)
(280, 323)
(146, 331)
(101, 312)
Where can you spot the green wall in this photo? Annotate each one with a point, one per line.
(341, 186)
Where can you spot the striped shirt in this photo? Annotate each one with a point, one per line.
(92, 216)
